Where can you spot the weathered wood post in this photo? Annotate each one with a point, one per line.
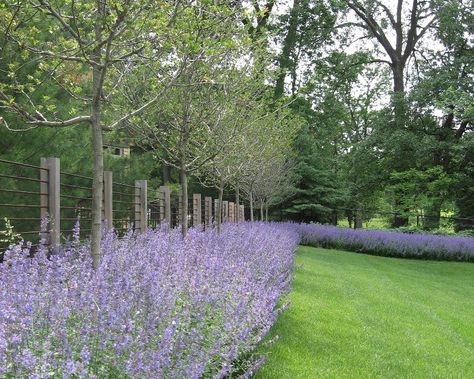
(231, 215)
(216, 209)
(197, 217)
(237, 212)
(107, 215)
(207, 212)
(50, 203)
(225, 211)
(44, 198)
(165, 205)
(141, 209)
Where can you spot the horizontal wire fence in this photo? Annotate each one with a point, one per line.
(21, 201)
(123, 206)
(76, 204)
(32, 193)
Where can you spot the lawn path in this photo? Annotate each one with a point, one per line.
(361, 316)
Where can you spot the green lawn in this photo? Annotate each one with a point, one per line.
(361, 316)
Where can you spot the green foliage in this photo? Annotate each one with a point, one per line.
(464, 185)
(317, 191)
(8, 236)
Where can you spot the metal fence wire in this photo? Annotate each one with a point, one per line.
(32, 193)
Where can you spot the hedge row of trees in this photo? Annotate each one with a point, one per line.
(183, 80)
(302, 107)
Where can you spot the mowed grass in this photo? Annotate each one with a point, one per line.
(361, 316)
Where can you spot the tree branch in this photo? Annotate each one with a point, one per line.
(374, 27)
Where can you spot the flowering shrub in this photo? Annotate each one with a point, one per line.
(158, 305)
(386, 243)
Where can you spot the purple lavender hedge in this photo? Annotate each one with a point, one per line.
(158, 305)
(392, 244)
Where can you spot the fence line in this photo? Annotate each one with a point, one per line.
(64, 198)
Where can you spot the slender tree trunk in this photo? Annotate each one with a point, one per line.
(266, 211)
(219, 211)
(184, 201)
(261, 211)
(285, 62)
(358, 220)
(251, 204)
(166, 173)
(334, 218)
(97, 186)
(97, 143)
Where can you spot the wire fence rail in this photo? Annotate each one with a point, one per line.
(32, 193)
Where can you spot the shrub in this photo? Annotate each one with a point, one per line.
(387, 243)
(158, 305)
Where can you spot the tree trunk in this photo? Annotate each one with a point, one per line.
(358, 220)
(266, 211)
(399, 105)
(261, 211)
(251, 205)
(285, 61)
(334, 218)
(184, 201)
(97, 185)
(97, 143)
(219, 211)
(166, 173)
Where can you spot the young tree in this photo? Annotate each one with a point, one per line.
(85, 49)
(185, 128)
(267, 169)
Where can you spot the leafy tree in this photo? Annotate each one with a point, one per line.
(185, 129)
(302, 32)
(84, 49)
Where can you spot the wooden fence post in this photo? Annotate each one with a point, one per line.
(165, 205)
(197, 217)
(108, 204)
(231, 215)
(141, 209)
(216, 209)
(44, 190)
(54, 204)
(225, 211)
(207, 211)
